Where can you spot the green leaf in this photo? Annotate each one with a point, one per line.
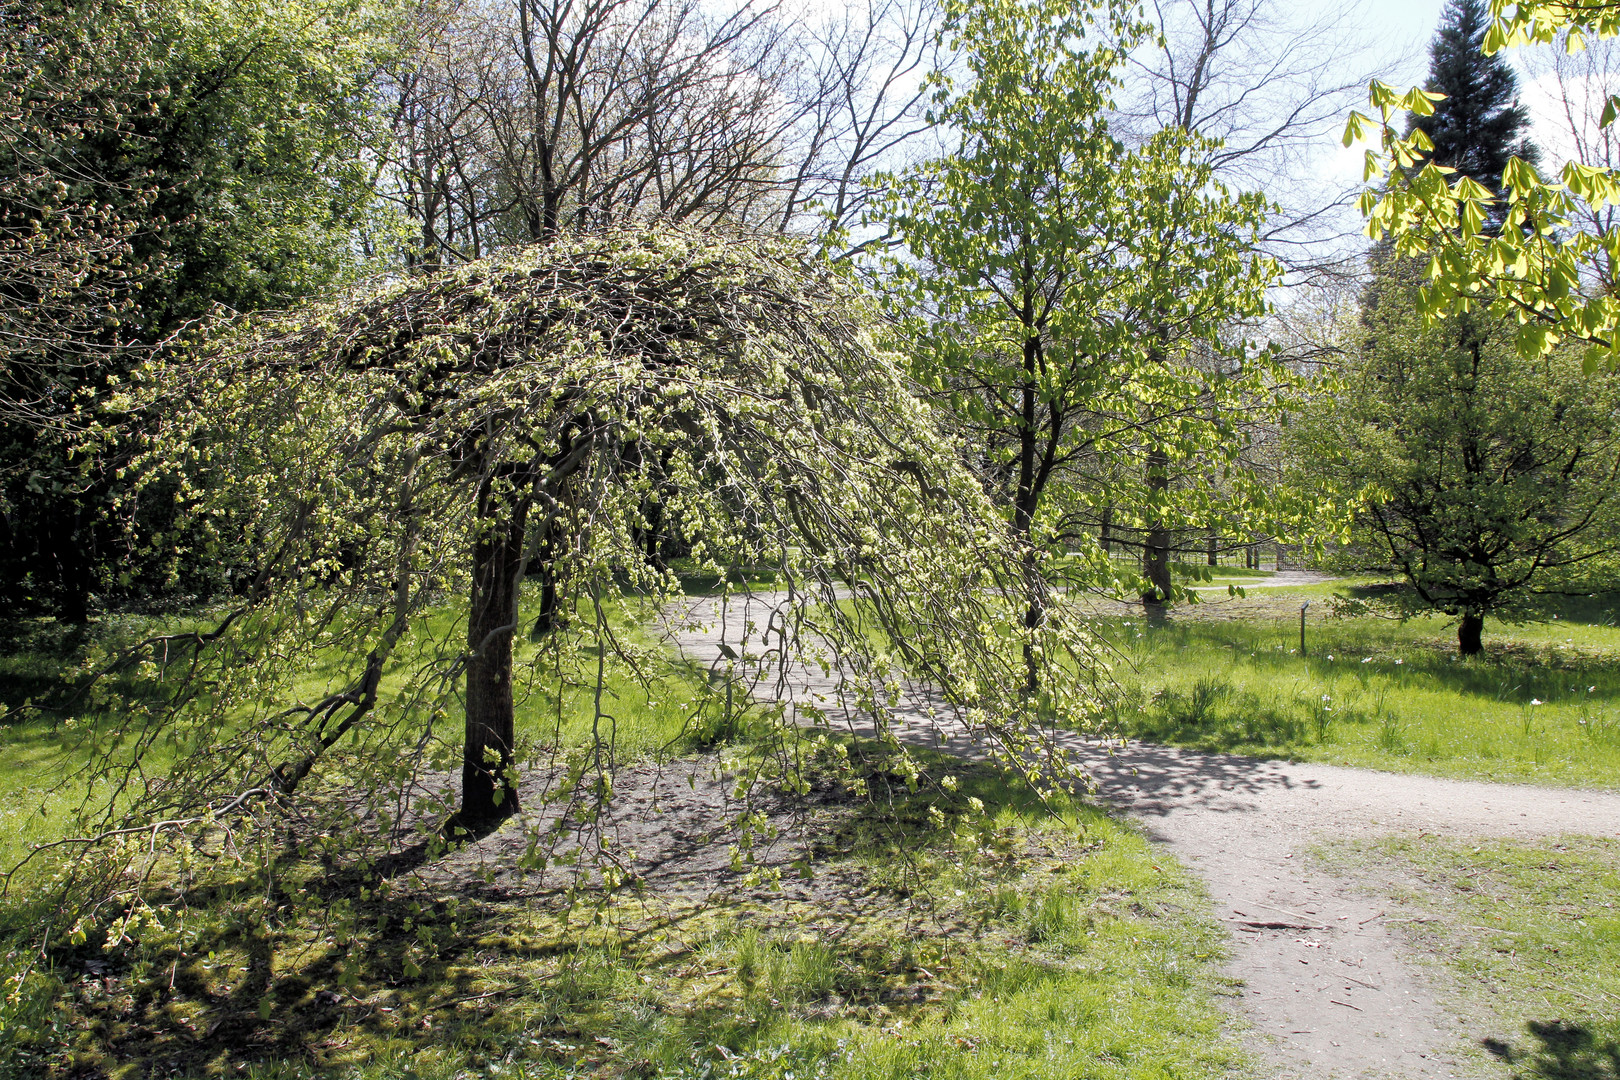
(1355, 128)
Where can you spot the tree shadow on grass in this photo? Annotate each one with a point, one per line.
(1355, 653)
(1564, 1051)
(464, 958)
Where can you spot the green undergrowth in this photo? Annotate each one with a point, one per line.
(1528, 935)
(44, 751)
(700, 581)
(1542, 704)
(929, 941)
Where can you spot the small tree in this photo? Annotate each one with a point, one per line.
(1487, 480)
(390, 459)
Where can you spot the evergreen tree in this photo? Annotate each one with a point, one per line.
(1481, 124)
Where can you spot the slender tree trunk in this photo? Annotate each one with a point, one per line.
(1468, 634)
(1156, 551)
(546, 570)
(488, 787)
(1024, 505)
(75, 575)
(655, 527)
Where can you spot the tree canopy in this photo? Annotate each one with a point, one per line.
(1488, 480)
(1071, 297)
(160, 161)
(362, 449)
(1532, 269)
(1479, 125)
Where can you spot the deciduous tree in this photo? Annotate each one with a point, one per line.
(161, 160)
(1530, 270)
(1488, 478)
(1073, 290)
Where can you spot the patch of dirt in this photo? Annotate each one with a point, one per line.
(1330, 989)
(671, 828)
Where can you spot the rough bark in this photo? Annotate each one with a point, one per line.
(1156, 551)
(1025, 501)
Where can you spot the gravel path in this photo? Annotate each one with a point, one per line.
(1329, 987)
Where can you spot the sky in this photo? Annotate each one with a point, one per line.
(1403, 29)
(1407, 24)
(1399, 31)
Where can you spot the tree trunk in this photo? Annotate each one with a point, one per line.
(488, 787)
(1468, 633)
(1025, 502)
(1156, 552)
(74, 572)
(655, 533)
(545, 569)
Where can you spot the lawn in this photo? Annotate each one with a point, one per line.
(1542, 705)
(894, 933)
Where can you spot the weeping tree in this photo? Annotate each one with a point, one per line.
(397, 459)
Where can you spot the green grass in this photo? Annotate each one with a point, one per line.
(43, 754)
(1543, 704)
(1029, 941)
(1017, 943)
(1528, 936)
(1236, 573)
(696, 581)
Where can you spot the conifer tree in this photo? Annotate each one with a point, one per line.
(1480, 125)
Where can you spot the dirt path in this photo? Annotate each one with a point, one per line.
(1329, 987)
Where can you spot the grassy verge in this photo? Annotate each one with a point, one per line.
(1026, 941)
(1529, 934)
(1543, 704)
(43, 754)
(1016, 943)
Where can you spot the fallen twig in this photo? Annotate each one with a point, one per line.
(1263, 925)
